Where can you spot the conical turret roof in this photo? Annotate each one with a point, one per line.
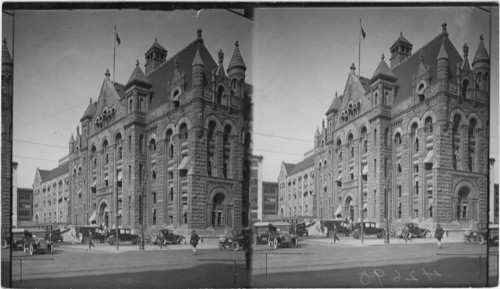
(71, 139)
(442, 52)
(481, 53)
(197, 58)
(317, 132)
(401, 39)
(156, 46)
(6, 59)
(89, 112)
(236, 59)
(383, 70)
(335, 106)
(138, 77)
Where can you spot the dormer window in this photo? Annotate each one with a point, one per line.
(421, 91)
(175, 97)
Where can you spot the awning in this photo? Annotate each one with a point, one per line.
(184, 164)
(94, 184)
(365, 206)
(92, 217)
(120, 176)
(338, 210)
(339, 178)
(365, 170)
(429, 158)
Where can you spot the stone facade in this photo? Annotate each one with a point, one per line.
(51, 198)
(411, 142)
(168, 148)
(270, 199)
(255, 195)
(7, 105)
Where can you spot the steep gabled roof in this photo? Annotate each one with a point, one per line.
(90, 111)
(335, 106)
(402, 40)
(138, 77)
(236, 59)
(120, 88)
(60, 170)
(307, 163)
(383, 70)
(6, 59)
(406, 69)
(164, 73)
(43, 174)
(288, 167)
(481, 53)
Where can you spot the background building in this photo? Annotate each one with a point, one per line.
(269, 202)
(7, 172)
(24, 206)
(51, 198)
(410, 143)
(168, 148)
(255, 196)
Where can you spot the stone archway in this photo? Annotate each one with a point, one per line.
(103, 215)
(349, 208)
(219, 209)
(465, 204)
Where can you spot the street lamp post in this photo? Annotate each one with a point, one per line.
(143, 200)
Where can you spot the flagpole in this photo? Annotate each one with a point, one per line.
(359, 50)
(114, 53)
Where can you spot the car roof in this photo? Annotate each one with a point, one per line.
(280, 224)
(260, 224)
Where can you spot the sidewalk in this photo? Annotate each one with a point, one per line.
(208, 243)
(371, 241)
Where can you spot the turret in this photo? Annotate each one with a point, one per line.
(197, 72)
(382, 83)
(400, 50)
(442, 66)
(236, 71)
(137, 82)
(71, 144)
(316, 138)
(481, 66)
(155, 56)
(7, 69)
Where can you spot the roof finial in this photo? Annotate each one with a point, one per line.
(336, 94)
(199, 31)
(236, 44)
(353, 67)
(91, 100)
(137, 63)
(480, 37)
(444, 27)
(221, 56)
(401, 33)
(466, 50)
(107, 73)
(383, 56)
(156, 39)
(5, 40)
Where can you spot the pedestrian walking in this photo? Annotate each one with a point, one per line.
(325, 231)
(406, 233)
(194, 241)
(91, 244)
(335, 232)
(439, 235)
(160, 240)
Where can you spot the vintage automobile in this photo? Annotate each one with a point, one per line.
(301, 229)
(170, 238)
(260, 232)
(342, 227)
(18, 235)
(240, 239)
(369, 229)
(35, 242)
(482, 235)
(55, 235)
(415, 231)
(124, 235)
(98, 234)
(280, 235)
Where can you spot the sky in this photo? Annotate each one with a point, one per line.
(61, 57)
(297, 59)
(302, 57)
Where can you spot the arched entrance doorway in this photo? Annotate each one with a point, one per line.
(465, 205)
(104, 215)
(463, 209)
(218, 208)
(349, 208)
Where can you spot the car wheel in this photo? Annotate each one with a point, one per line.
(235, 246)
(380, 235)
(269, 243)
(295, 243)
(4, 244)
(31, 249)
(111, 241)
(275, 244)
(480, 239)
(135, 241)
(428, 234)
(51, 249)
(182, 241)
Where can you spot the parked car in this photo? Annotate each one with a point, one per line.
(493, 236)
(260, 232)
(301, 229)
(124, 235)
(35, 242)
(415, 231)
(238, 240)
(98, 234)
(18, 235)
(482, 235)
(342, 227)
(280, 235)
(170, 238)
(55, 235)
(369, 229)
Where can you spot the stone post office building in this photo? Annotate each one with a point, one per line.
(411, 142)
(169, 145)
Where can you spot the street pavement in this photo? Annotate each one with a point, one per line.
(316, 262)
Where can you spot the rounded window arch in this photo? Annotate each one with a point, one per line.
(152, 145)
(176, 96)
(397, 139)
(211, 129)
(168, 143)
(220, 93)
(227, 134)
(183, 131)
(465, 87)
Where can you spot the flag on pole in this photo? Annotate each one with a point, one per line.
(362, 33)
(119, 41)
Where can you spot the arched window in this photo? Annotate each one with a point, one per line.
(465, 86)
(152, 146)
(168, 144)
(220, 92)
(227, 150)
(183, 132)
(211, 130)
(339, 150)
(472, 145)
(386, 137)
(375, 99)
(227, 132)
(175, 98)
(375, 137)
(428, 125)
(479, 80)
(456, 141)
(118, 141)
(350, 146)
(397, 139)
(364, 139)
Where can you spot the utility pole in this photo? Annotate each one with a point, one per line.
(116, 216)
(142, 204)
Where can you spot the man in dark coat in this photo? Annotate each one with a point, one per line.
(439, 235)
(194, 241)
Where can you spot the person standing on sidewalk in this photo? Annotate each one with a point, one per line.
(439, 235)
(335, 232)
(194, 240)
(90, 241)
